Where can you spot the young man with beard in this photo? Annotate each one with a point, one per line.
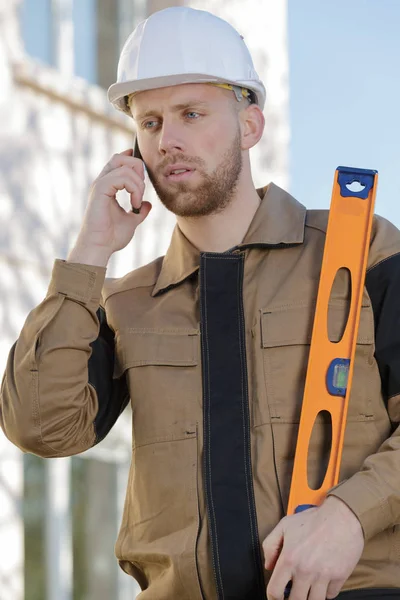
(210, 343)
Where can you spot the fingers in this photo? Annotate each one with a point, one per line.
(272, 546)
(334, 588)
(123, 178)
(280, 577)
(304, 584)
(122, 159)
(318, 591)
(301, 588)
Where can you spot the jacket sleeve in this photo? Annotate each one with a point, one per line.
(58, 396)
(373, 493)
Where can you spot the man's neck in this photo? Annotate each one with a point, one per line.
(222, 231)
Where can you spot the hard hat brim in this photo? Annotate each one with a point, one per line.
(118, 91)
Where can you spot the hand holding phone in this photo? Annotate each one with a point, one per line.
(107, 227)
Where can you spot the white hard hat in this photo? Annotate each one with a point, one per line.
(183, 45)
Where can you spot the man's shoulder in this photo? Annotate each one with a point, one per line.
(385, 236)
(317, 218)
(145, 276)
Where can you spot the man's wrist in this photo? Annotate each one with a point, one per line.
(337, 504)
(90, 255)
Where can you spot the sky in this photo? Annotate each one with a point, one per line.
(344, 58)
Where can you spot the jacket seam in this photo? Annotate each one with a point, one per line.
(246, 430)
(127, 289)
(164, 441)
(382, 261)
(146, 330)
(316, 227)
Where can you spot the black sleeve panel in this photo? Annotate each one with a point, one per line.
(383, 286)
(112, 394)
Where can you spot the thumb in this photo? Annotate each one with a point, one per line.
(145, 208)
(272, 547)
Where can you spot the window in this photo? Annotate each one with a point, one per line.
(72, 509)
(85, 59)
(95, 528)
(101, 27)
(37, 31)
(34, 515)
(99, 30)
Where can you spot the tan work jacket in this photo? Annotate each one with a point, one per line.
(214, 362)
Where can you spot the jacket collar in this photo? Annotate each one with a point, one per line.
(279, 221)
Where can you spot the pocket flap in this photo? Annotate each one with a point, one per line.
(292, 325)
(142, 347)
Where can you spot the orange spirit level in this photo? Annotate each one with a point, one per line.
(331, 364)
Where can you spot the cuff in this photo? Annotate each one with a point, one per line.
(82, 283)
(371, 508)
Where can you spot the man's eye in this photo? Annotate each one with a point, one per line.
(192, 115)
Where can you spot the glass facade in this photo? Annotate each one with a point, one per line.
(86, 503)
(85, 42)
(100, 28)
(34, 515)
(95, 528)
(36, 19)
(72, 507)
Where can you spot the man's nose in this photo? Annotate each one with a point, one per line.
(170, 140)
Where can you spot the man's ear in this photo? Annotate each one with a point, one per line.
(252, 126)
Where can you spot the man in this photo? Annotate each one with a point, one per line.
(210, 343)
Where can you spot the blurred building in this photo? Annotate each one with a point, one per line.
(59, 518)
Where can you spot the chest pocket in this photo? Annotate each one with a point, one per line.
(164, 381)
(285, 339)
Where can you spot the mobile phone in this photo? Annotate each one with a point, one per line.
(136, 154)
(136, 151)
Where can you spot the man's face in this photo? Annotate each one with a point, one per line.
(196, 125)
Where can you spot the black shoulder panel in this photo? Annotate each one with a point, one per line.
(383, 286)
(112, 394)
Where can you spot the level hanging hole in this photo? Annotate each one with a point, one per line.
(339, 305)
(355, 187)
(319, 450)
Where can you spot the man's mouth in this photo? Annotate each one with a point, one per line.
(180, 175)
